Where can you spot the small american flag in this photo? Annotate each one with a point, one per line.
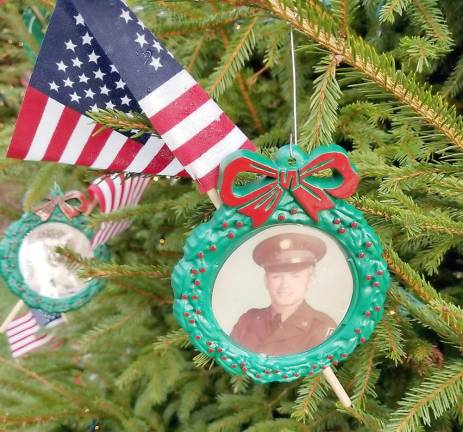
(24, 333)
(114, 192)
(72, 76)
(97, 54)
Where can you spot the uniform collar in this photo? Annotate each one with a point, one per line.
(301, 318)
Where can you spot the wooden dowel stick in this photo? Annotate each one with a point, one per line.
(337, 387)
(215, 198)
(11, 316)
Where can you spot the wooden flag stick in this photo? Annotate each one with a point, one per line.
(11, 316)
(327, 372)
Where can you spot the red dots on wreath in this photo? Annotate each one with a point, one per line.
(285, 376)
(337, 221)
(369, 277)
(258, 376)
(377, 308)
(376, 284)
(379, 272)
(368, 244)
(335, 363)
(281, 218)
(192, 321)
(357, 330)
(344, 355)
(213, 248)
(239, 224)
(231, 235)
(225, 225)
(194, 271)
(219, 350)
(354, 224)
(314, 366)
(244, 369)
(341, 230)
(198, 312)
(197, 282)
(195, 297)
(362, 340)
(211, 350)
(233, 366)
(224, 358)
(202, 270)
(295, 374)
(200, 255)
(293, 211)
(186, 314)
(330, 357)
(197, 337)
(362, 255)
(184, 297)
(368, 314)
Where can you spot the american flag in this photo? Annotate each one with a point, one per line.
(24, 333)
(104, 42)
(114, 192)
(72, 76)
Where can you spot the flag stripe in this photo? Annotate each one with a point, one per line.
(27, 124)
(167, 93)
(22, 327)
(18, 321)
(44, 132)
(179, 109)
(77, 141)
(125, 156)
(32, 344)
(67, 122)
(111, 147)
(34, 328)
(93, 146)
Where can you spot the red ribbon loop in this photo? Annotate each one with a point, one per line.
(44, 211)
(260, 199)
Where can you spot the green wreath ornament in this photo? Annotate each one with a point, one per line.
(15, 235)
(211, 244)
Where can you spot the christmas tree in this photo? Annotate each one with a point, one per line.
(381, 78)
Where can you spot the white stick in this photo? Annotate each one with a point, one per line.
(337, 387)
(215, 198)
(11, 316)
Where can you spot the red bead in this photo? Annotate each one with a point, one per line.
(234, 366)
(202, 270)
(324, 367)
(231, 235)
(344, 355)
(376, 284)
(285, 376)
(257, 375)
(186, 314)
(337, 221)
(277, 371)
(197, 337)
(192, 321)
(341, 230)
(368, 244)
(335, 363)
(224, 357)
(239, 224)
(209, 343)
(330, 357)
(195, 297)
(211, 350)
(219, 349)
(293, 211)
(197, 282)
(281, 218)
(362, 255)
(194, 271)
(354, 224)
(362, 340)
(225, 225)
(311, 373)
(244, 369)
(200, 255)
(379, 272)
(314, 366)
(377, 308)
(213, 248)
(198, 312)
(368, 314)
(357, 330)
(296, 374)
(184, 297)
(267, 372)
(369, 277)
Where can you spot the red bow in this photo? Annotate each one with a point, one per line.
(309, 191)
(44, 211)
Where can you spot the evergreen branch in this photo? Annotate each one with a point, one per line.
(41, 185)
(454, 83)
(436, 394)
(109, 271)
(390, 8)
(174, 339)
(157, 299)
(309, 397)
(196, 53)
(323, 105)
(236, 54)
(366, 374)
(136, 123)
(379, 68)
(390, 338)
(371, 422)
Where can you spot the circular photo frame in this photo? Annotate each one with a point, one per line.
(285, 299)
(42, 278)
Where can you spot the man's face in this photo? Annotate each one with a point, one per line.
(288, 288)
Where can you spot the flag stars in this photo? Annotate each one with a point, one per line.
(113, 69)
(156, 63)
(125, 15)
(75, 97)
(94, 108)
(79, 20)
(110, 105)
(92, 57)
(140, 23)
(76, 62)
(120, 84)
(54, 86)
(68, 83)
(61, 66)
(141, 40)
(89, 93)
(104, 90)
(99, 74)
(83, 78)
(70, 45)
(126, 100)
(87, 39)
(157, 45)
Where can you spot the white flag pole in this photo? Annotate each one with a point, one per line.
(11, 316)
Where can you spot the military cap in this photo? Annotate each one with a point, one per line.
(289, 252)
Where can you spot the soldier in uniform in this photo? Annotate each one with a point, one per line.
(289, 325)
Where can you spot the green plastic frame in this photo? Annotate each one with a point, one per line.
(10, 271)
(210, 245)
